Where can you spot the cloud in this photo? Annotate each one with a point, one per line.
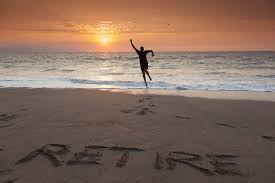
(108, 27)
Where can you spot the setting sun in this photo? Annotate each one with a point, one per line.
(104, 39)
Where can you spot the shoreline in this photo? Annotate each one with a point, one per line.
(226, 95)
(209, 94)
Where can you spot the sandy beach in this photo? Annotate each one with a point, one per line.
(81, 135)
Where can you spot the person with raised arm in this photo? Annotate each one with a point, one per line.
(143, 61)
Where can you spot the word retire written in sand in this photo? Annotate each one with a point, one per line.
(219, 164)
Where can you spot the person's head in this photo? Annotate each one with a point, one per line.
(141, 48)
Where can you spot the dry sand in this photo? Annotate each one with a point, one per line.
(115, 137)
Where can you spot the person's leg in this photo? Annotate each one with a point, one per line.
(148, 74)
(144, 78)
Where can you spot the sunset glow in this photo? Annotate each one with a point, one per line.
(104, 39)
(176, 25)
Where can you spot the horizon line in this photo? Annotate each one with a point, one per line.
(177, 51)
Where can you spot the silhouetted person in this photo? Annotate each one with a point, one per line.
(143, 60)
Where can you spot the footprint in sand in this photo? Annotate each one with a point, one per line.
(141, 112)
(183, 117)
(127, 111)
(270, 138)
(140, 109)
(225, 125)
(144, 99)
(145, 109)
(150, 104)
(141, 100)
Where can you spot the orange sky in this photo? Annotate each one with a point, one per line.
(107, 25)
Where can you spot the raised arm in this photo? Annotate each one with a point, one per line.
(131, 41)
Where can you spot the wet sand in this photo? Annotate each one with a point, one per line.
(78, 135)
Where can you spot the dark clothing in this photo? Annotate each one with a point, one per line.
(143, 59)
(144, 66)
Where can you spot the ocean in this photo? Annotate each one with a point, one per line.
(217, 71)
